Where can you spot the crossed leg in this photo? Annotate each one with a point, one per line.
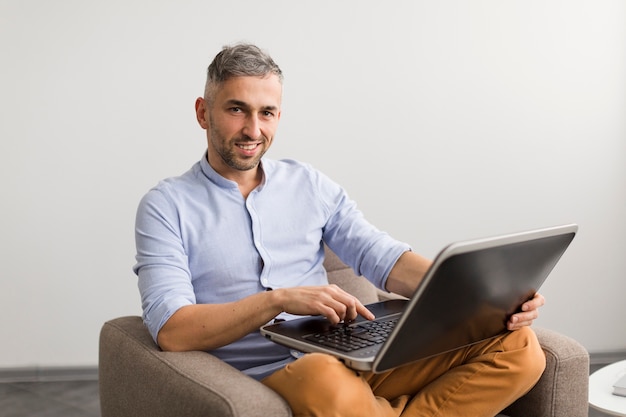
(479, 380)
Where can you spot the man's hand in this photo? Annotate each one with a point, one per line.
(530, 311)
(329, 301)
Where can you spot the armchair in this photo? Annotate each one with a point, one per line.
(138, 379)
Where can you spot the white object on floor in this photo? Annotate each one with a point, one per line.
(601, 395)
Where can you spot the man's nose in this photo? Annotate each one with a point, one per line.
(252, 127)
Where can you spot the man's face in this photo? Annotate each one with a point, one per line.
(241, 122)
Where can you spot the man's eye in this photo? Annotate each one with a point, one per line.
(268, 114)
(235, 109)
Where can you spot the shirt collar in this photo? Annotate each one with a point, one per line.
(216, 178)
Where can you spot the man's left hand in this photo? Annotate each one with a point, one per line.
(529, 312)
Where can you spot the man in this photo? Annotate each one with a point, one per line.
(237, 241)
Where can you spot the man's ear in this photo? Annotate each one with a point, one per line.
(201, 112)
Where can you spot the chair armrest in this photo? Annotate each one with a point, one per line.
(563, 388)
(138, 379)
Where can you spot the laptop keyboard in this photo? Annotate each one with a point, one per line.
(347, 339)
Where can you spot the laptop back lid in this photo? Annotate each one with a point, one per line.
(470, 291)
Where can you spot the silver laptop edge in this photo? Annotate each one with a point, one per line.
(464, 247)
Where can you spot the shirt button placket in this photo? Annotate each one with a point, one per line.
(256, 236)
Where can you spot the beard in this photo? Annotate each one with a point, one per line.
(227, 150)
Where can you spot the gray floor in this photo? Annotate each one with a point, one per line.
(49, 399)
(66, 399)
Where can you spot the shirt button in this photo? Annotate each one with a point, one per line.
(265, 282)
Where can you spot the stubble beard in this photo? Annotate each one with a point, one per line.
(227, 150)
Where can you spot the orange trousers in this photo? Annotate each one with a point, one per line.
(479, 380)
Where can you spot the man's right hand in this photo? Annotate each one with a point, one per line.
(329, 301)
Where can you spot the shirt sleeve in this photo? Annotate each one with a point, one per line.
(367, 250)
(162, 266)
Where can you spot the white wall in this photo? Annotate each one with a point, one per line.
(445, 120)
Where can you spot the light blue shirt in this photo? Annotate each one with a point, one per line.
(199, 241)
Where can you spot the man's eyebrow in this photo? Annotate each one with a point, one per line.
(239, 103)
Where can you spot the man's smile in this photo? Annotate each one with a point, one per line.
(248, 146)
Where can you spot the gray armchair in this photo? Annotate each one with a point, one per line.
(137, 379)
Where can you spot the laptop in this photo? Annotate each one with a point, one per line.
(466, 296)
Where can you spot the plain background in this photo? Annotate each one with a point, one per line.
(444, 120)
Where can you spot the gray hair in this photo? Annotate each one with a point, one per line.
(237, 61)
